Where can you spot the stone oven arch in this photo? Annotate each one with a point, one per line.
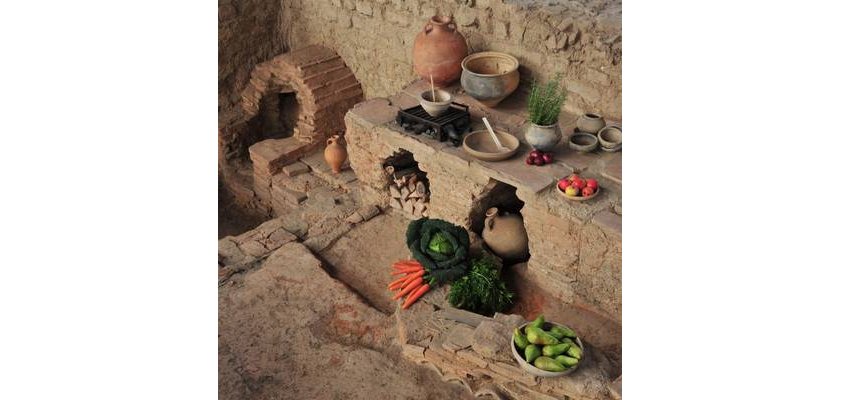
(323, 85)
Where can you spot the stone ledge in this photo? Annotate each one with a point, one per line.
(609, 222)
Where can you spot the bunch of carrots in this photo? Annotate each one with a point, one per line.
(411, 284)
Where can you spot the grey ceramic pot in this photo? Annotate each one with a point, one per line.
(489, 76)
(542, 137)
(590, 123)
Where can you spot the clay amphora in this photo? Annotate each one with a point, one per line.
(335, 154)
(438, 51)
(505, 235)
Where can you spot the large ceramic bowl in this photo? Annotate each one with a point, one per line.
(481, 145)
(489, 76)
(537, 371)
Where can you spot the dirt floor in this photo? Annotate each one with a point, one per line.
(287, 330)
(233, 218)
(373, 246)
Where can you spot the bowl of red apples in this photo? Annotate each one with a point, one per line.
(576, 188)
(539, 158)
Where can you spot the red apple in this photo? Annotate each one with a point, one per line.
(592, 183)
(534, 153)
(529, 161)
(587, 191)
(571, 191)
(563, 184)
(579, 184)
(538, 161)
(573, 178)
(547, 158)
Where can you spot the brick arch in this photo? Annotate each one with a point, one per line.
(323, 84)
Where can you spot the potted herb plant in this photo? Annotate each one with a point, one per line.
(544, 106)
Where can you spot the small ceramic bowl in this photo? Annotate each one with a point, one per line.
(442, 102)
(537, 371)
(583, 142)
(610, 136)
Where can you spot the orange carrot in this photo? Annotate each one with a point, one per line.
(415, 295)
(397, 282)
(415, 283)
(412, 277)
(406, 265)
(397, 272)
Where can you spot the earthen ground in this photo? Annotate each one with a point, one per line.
(287, 330)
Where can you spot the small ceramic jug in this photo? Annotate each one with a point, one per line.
(590, 123)
(505, 235)
(335, 154)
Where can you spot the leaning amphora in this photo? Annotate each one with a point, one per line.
(505, 234)
(335, 154)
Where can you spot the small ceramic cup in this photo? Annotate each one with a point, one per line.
(610, 137)
(437, 107)
(590, 123)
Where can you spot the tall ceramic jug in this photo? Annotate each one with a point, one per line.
(438, 51)
(505, 235)
(335, 154)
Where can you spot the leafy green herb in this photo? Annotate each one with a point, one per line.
(481, 290)
(545, 101)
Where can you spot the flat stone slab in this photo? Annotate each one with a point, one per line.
(271, 154)
(613, 169)
(296, 168)
(322, 170)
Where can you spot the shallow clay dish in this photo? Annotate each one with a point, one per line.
(479, 144)
(583, 142)
(537, 371)
(577, 198)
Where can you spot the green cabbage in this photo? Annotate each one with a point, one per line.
(426, 240)
(440, 244)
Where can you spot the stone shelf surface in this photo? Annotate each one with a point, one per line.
(509, 116)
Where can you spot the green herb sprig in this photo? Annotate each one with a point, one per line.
(545, 101)
(482, 290)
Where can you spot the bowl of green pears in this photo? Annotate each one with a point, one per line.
(546, 349)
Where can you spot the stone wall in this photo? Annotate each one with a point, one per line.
(249, 33)
(575, 248)
(581, 39)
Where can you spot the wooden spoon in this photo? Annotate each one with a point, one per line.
(493, 136)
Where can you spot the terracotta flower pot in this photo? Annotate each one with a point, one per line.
(335, 154)
(505, 235)
(438, 51)
(590, 123)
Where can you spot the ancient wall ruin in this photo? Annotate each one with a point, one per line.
(581, 39)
